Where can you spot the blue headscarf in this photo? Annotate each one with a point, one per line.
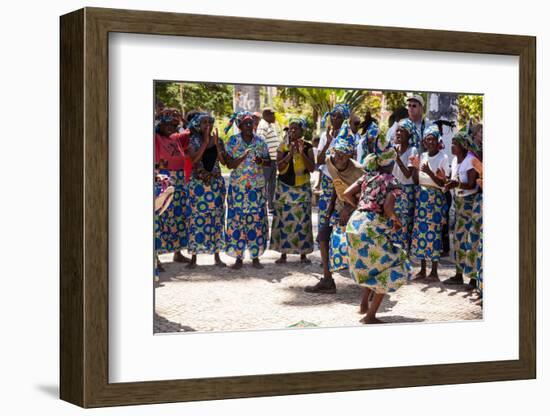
(238, 117)
(372, 130)
(344, 145)
(407, 125)
(195, 122)
(301, 121)
(338, 108)
(432, 130)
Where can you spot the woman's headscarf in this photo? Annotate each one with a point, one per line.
(432, 130)
(169, 116)
(338, 108)
(407, 125)
(301, 121)
(372, 131)
(383, 155)
(195, 122)
(465, 140)
(344, 145)
(238, 117)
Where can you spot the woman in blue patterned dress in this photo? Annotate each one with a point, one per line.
(376, 262)
(467, 202)
(403, 172)
(430, 172)
(246, 226)
(291, 231)
(172, 161)
(205, 211)
(338, 121)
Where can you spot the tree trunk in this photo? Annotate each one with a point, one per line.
(246, 98)
(443, 106)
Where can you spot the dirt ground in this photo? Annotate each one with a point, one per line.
(209, 298)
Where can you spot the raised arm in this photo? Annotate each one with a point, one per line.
(321, 156)
(309, 159)
(195, 156)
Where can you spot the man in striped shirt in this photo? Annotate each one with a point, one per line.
(269, 131)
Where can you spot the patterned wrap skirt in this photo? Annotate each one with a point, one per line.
(247, 224)
(170, 228)
(467, 234)
(429, 217)
(327, 190)
(205, 214)
(338, 248)
(375, 261)
(478, 217)
(404, 208)
(291, 230)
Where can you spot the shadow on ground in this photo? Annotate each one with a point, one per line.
(177, 272)
(163, 325)
(349, 294)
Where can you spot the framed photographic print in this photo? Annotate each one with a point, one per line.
(252, 207)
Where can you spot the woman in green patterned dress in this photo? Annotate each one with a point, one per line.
(291, 231)
(375, 261)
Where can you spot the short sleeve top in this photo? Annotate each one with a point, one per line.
(375, 187)
(248, 173)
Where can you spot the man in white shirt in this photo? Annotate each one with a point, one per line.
(269, 131)
(415, 107)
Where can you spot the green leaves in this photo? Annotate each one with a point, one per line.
(217, 98)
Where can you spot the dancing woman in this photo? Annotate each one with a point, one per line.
(376, 262)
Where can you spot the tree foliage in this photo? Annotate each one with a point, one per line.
(215, 98)
(470, 107)
(394, 99)
(169, 93)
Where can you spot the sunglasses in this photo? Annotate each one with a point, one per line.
(412, 105)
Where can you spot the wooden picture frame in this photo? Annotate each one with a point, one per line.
(84, 207)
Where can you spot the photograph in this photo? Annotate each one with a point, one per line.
(280, 207)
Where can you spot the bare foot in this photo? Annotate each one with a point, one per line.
(432, 278)
(256, 264)
(421, 275)
(281, 260)
(305, 260)
(218, 261)
(368, 320)
(180, 258)
(238, 265)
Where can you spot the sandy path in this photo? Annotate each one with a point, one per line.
(213, 299)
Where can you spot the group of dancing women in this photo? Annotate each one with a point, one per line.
(383, 201)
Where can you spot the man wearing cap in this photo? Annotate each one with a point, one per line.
(268, 130)
(415, 107)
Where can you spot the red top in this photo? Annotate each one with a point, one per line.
(170, 152)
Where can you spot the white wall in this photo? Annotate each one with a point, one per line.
(29, 268)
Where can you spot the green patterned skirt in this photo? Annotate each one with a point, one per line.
(291, 231)
(375, 261)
